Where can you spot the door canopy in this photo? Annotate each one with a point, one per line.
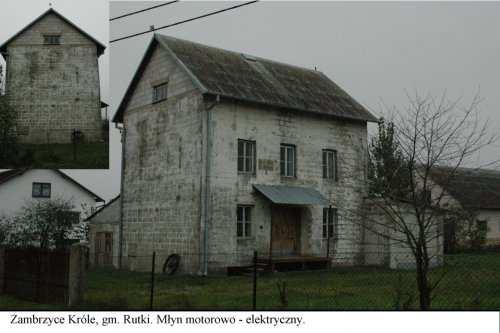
(292, 195)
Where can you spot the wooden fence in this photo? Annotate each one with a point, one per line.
(44, 276)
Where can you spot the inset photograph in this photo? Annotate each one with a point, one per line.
(52, 114)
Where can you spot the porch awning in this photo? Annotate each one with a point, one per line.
(292, 195)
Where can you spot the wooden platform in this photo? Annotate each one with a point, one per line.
(294, 263)
(281, 264)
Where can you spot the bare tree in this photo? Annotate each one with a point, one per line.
(1, 80)
(432, 137)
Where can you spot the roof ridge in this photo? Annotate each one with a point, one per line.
(470, 169)
(240, 53)
(235, 76)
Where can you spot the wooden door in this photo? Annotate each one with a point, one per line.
(285, 231)
(104, 248)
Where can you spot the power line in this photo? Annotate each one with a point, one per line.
(184, 21)
(142, 10)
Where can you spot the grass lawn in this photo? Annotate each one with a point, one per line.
(60, 156)
(471, 281)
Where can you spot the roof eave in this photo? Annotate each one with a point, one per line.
(118, 117)
(326, 114)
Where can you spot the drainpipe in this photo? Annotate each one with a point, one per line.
(206, 184)
(120, 248)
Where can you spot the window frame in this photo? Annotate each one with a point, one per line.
(245, 234)
(284, 162)
(41, 191)
(330, 223)
(253, 158)
(334, 166)
(156, 98)
(482, 225)
(51, 39)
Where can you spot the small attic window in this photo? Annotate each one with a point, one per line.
(52, 39)
(248, 57)
(160, 92)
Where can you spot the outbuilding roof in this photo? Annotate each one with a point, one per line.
(473, 188)
(100, 46)
(252, 79)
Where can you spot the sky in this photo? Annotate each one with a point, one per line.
(376, 51)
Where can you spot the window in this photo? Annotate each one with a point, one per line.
(160, 92)
(246, 156)
(244, 220)
(41, 190)
(330, 219)
(482, 225)
(329, 164)
(52, 39)
(287, 160)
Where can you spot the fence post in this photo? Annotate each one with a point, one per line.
(76, 278)
(152, 282)
(254, 295)
(2, 269)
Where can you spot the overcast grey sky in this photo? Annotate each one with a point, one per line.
(375, 51)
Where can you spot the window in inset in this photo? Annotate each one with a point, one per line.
(52, 39)
(41, 190)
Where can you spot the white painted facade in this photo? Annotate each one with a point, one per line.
(172, 147)
(16, 192)
(492, 218)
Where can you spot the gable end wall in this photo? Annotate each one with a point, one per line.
(163, 156)
(54, 88)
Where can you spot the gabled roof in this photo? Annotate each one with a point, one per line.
(5, 176)
(102, 208)
(253, 79)
(100, 47)
(473, 188)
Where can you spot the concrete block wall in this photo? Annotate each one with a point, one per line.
(163, 156)
(310, 134)
(163, 174)
(54, 88)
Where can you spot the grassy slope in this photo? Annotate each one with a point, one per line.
(60, 156)
(471, 282)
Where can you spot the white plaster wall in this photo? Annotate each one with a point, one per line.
(492, 217)
(387, 247)
(17, 191)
